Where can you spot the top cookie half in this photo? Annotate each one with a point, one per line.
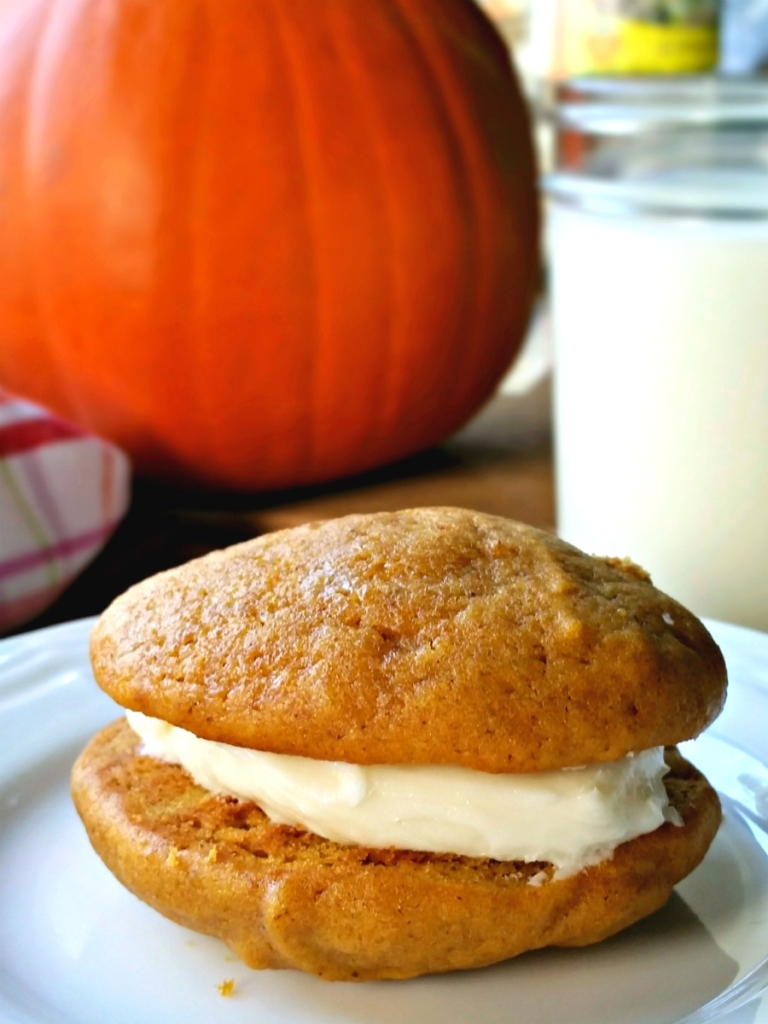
(438, 636)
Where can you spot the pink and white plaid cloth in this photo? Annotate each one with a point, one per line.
(62, 493)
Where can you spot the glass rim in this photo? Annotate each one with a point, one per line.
(621, 198)
(624, 106)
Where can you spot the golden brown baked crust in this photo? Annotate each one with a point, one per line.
(343, 640)
(281, 897)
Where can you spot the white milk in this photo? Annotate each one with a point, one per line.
(661, 392)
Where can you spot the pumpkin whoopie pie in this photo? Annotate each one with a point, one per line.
(400, 743)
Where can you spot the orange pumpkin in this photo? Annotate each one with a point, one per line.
(261, 243)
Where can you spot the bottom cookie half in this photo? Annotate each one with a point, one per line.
(282, 897)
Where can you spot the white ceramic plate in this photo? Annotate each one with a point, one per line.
(76, 948)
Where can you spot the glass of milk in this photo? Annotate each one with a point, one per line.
(658, 243)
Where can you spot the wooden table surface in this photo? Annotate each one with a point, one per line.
(501, 462)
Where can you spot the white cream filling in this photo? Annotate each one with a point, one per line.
(571, 818)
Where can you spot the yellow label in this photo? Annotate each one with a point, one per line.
(594, 41)
(665, 49)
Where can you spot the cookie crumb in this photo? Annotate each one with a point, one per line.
(629, 568)
(226, 987)
(172, 860)
(213, 855)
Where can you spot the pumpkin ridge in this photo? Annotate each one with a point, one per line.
(302, 108)
(379, 425)
(243, 311)
(454, 355)
(205, 407)
(173, 390)
(485, 226)
(46, 334)
(15, 117)
(485, 206)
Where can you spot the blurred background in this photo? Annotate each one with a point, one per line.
(632, 64)
(556, 40)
